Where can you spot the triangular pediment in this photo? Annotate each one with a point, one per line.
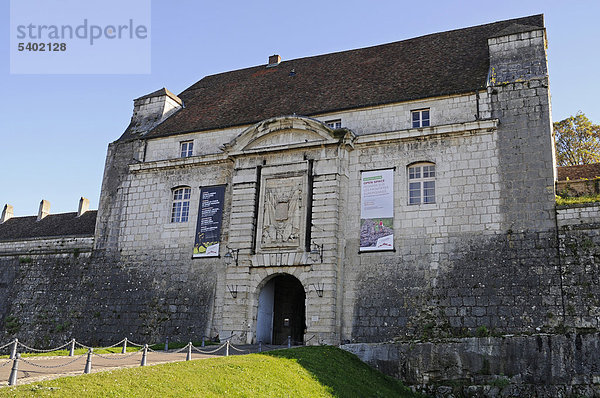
(284, 132)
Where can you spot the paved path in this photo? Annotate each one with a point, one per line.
(33, 369)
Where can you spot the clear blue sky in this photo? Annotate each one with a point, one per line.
(55, 129)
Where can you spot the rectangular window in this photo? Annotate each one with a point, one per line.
(420, 118)
(421, 184)
(187, 149)
(428, 191)
(180, 210)
(334, 124)
(414, 193)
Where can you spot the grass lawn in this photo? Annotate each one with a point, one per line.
(300, 372)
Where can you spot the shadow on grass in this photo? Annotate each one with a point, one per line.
(344, 373)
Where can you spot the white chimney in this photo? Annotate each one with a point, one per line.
(84, 205)
(44, 209)
(7, 213)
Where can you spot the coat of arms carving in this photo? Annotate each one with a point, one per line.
(282, 212)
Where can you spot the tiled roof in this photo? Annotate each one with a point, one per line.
(53, 225)
(578, 172)
(450, 62)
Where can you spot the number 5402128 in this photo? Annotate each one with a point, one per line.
(42, 47)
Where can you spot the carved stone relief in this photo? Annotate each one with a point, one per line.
(282, 212)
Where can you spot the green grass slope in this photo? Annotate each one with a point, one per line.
(300, 372)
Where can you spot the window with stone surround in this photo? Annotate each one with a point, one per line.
(334, 124)
(180, 210)
(420, 118)
(421, 183)
(186, 149)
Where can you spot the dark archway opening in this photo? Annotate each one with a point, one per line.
(281, 311)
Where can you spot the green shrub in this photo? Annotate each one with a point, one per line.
(12, 324)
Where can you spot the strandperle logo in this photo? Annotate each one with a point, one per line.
(80, 37)
(85, 31)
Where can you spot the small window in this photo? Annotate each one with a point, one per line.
(180, 211)
(334, 124)
(421, 184)
(420, 118)
(187, 149)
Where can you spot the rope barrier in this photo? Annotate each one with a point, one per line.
(102, 348)
(7, 344)
(114, 345)
(135, 344)
(189, 347)
(82, 345)
(177, 351)
(52, 366)
(117, 358)
(38, 350)
(119, 343)
(208, 352)
(237, 349)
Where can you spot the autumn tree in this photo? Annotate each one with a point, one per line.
(577, 141)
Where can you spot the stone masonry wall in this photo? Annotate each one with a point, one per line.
(119, 156)
(579, 234)
(520, 99)
(47, 299)
(63, 244)
(542, 365)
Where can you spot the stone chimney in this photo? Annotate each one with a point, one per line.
(152, 109)
(44, 209)
(7, 213)
(84, 205)
(274, 60)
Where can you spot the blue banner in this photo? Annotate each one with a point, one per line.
(210, 215)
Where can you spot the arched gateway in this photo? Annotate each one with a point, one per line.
(281, 311)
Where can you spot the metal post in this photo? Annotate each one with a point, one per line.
(13, 352)
(88, 362)
(167, 344)
(72, 349)
(13, 373)
(227, 349)
(203, 341)
(124, 350)
(260, 346)
(289, 341)
(144, 354)
(189, 352)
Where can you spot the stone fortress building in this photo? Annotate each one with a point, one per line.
(389, 192)
(461, 120)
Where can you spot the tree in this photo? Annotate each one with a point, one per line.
(577, 141)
